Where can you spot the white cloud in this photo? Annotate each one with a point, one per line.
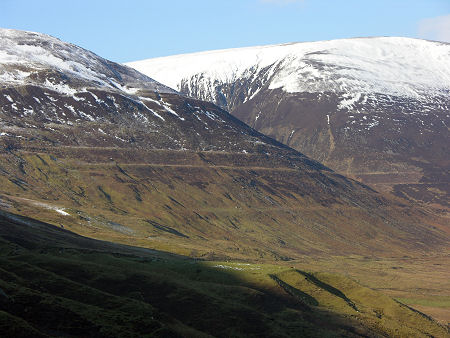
(437, 28)
(281, 2)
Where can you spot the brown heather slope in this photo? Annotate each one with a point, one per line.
(131, 161)
(374, 109)
(211, 203)
(398, 155)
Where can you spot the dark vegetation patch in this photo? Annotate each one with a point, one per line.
(105, 194)
(327, 287)
(300, 295)
(176, 202)
(166, 228)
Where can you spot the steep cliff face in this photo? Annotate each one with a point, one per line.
(376, 109)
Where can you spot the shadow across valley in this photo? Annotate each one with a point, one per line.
(54, 282)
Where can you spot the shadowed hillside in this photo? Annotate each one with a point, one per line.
(55, 283)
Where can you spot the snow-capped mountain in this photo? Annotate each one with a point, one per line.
(112, 154)
(375, 108)
(48, 85)
(28, 57)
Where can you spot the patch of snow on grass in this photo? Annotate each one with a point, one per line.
(86, 116)
(61, 211)
(60, 88)
(170, 110)
(120, 139)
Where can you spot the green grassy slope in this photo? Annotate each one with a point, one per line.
(208, 204)
(55, 283)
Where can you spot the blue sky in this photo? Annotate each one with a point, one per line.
(137, 29)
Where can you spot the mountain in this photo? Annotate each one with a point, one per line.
(375, 109)
(112, 154)
(96, 149)
(56, 283)
(109, 153)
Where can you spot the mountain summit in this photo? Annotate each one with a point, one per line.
(35, 58)
(359, 67)
(376, 109)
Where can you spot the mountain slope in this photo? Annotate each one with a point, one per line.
(156, 169)
(28, 57)
(373, 108)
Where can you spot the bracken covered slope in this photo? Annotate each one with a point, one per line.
(112, 154)
(376, 109)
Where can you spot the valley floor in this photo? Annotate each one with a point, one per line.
(54, 283)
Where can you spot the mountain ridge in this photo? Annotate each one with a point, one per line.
(159, 170)
(266, 55)
(375, 109)
(39, 51)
